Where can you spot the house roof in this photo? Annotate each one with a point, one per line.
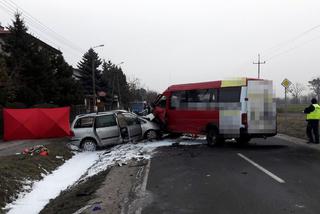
(4, 32)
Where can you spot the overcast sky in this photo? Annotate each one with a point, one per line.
(165, 42)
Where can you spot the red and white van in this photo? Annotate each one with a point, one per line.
(240, 109)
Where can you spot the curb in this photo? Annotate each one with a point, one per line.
(299, 141)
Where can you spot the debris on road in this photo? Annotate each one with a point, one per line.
(36, 150)
(19, 172)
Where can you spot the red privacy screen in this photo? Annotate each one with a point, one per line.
(36, 123)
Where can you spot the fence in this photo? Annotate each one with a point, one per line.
(76, 110)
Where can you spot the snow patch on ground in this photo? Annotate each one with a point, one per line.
(51, 185)
(82, 166)
(121, 154)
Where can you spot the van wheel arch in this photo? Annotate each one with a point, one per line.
(213, 137)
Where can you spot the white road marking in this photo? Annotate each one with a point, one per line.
(144, 184)
(262, 169)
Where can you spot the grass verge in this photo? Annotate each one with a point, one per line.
(294, 125)
(16, 170)
(75, 197)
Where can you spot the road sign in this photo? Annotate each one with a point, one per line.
(286, 83)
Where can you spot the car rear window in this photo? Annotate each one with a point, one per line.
(105, 121)
(84, 122)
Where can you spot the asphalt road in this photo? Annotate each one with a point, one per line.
(268, 176)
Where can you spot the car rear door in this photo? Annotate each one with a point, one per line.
(107, 129)
(261, 107)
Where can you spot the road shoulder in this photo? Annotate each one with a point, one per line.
(297, 141)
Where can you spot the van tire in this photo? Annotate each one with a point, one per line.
(212, 137)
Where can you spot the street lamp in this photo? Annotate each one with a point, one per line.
(94, 81)
(119, 96)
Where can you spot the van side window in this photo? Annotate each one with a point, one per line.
(229, 94)
(105, 121)
(202, 96)
(214, 95)
(178, 100)
(84, 122)
(193, 98)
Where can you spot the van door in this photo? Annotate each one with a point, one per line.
(261, 107)
(160, 109)
(107, 129)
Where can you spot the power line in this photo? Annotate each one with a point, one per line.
(11, 12)
(293, 48)
(295, 38)
(48, 29)
(38, 26)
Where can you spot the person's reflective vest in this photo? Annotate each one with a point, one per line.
(315, 115)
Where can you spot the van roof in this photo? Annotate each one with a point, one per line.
(211, 84)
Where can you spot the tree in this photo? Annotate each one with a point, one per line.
(6, 90)
(296, 90)
(114, 82)
(29, 67)
(36, 73)
(68, 91)
(85, 71)
(315, 87)
(151, 96)
(139, 93)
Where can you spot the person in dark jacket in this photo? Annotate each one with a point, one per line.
(313, 116)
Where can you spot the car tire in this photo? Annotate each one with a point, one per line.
(151, 135)
(213, 138)
(89, 145)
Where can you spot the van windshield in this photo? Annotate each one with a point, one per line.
(162, 102)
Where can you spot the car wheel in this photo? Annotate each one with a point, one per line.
(89, 145)
(151, 135)
(213, 138)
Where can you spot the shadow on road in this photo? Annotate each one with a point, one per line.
(252, 146)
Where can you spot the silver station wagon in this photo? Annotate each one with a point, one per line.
(108, 128)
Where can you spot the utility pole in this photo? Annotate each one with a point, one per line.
(116, 76)
(95, 108)
(94, 86)
(259, 63)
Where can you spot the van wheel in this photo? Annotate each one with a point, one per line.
(151, 135)
(89, 145)
(212, 137)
